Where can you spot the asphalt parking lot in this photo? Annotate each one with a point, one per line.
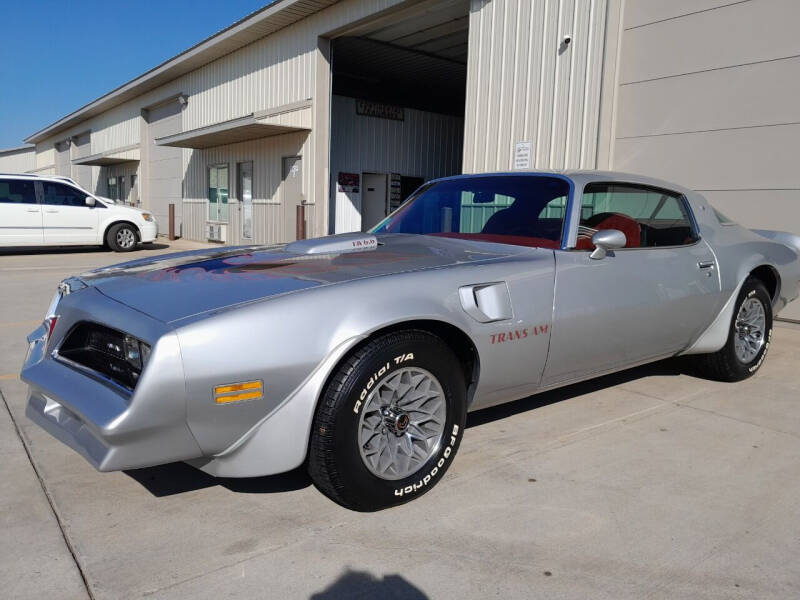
(647, 484)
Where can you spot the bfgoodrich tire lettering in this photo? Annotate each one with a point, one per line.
(336, 460)
(751, 322)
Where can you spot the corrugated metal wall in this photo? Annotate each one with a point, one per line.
(525, 85)
(20, 161)
(424, 144)
(268, 211)
(117, 128)
(275, 70)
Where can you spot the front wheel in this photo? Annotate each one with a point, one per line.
(389, 422)
(749, 337)
(122, 237)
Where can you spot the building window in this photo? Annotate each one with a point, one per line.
(113, 192)
(246, 197)
(218, 190)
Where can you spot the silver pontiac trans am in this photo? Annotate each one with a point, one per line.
(359, 355)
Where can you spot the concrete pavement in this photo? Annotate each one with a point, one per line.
(649, 483)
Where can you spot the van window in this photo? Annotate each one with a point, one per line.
(59, 194)
(17, 192)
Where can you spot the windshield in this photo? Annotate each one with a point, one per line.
(524, 210)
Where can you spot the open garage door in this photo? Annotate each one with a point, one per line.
(397, 112)
(164, 182)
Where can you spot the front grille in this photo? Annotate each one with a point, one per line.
(106, 351)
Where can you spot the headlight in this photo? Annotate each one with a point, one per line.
(147, 217)
(115, 354)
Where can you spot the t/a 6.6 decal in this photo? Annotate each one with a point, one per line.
(515, 335)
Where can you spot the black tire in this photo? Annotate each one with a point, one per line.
(122, 237)
(335, 463)
(725, 365)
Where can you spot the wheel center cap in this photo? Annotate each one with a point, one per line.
(401, 422)
(396, 421)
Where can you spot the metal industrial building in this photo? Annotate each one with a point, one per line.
(345, 106)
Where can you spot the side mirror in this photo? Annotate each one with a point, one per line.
(90, 201)
(605, 240)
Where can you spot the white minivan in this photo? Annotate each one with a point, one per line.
(54, 211)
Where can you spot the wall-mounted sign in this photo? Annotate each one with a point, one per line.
(522, 155)
(349, 182)
(395, 191)
(379, 110)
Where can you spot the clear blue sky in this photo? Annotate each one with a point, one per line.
(57, 55)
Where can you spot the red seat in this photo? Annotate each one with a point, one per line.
(620, 222)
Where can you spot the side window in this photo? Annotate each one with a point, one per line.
(17, 192)
(648, 217)
(59, 194)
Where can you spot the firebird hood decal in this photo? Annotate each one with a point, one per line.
(175, 286)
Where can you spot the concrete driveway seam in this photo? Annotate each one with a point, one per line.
(49, 498)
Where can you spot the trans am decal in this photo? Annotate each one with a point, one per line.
(519, 334)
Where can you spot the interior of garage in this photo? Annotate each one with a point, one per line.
(397, 110)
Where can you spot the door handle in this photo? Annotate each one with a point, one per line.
(51, 210)
(706, 264)
(32, 210)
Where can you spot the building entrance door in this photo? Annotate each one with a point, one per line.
(292, 194)
(373, 200)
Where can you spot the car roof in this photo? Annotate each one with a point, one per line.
(583, 176)
(35, 177)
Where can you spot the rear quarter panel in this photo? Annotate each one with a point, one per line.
(739, 251)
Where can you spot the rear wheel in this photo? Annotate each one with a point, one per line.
(389, 422)
(748, 338)
(122, 237)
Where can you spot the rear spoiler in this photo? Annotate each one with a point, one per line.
(783, 237)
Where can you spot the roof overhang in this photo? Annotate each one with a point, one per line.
(17, 150)
(289, 118)
(263, 22)
(111, 157)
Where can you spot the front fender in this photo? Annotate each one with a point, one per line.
(288, 341)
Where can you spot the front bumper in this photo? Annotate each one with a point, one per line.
(148, 231)
(113, 428)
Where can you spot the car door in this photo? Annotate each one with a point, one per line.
(642, 302)
(20, 213)
(66, 218)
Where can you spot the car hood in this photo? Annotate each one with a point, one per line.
(175, 286)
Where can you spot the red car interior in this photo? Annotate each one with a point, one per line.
(623, 223)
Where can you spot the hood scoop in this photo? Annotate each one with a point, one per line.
(334, 244)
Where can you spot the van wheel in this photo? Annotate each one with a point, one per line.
(389, 422)
(122, 237)
(749, 337)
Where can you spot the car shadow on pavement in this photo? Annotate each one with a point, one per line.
(42, 250)
(670, 367)
(360, 584)
(178, 478)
